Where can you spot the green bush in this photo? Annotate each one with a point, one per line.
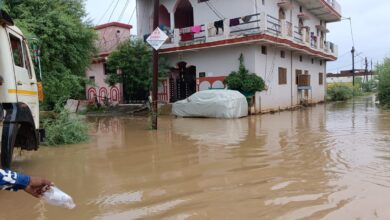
(65, 128)
(370, 86)
(339, 92)
(384, 83)
(245, 82)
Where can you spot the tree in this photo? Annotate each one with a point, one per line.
(66, 42)
(134, 59)
(243, 81)
(383, 71)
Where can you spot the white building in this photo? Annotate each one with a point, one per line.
(283, 41)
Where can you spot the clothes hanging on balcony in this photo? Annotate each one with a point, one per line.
(218, 25)
(211, 30)
(185, 30)
(187, 36)
(247, 19)
(234, 22)
(196, 29)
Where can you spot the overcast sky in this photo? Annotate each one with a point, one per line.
(370, 22)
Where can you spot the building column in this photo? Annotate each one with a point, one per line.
(172, 20)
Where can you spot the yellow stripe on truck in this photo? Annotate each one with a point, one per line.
(22, 92)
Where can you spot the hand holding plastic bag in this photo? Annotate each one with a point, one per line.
(56, 197)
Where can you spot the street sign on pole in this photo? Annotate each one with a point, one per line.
(157, 38)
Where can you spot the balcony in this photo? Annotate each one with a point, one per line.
(327, 10)
(259, 27)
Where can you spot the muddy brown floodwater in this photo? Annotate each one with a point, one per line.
(326, 162)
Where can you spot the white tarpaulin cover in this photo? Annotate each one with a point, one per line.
(212, 104)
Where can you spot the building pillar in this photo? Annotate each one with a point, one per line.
(172, 14)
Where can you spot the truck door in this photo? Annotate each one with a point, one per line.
(26, 87)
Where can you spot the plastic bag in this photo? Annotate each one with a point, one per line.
(56, 197)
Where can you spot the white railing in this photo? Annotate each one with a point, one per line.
(335, 5)
(254, 24)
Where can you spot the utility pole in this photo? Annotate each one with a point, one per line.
(353, 65)
(155, 68)
(366, 70)
(371, 69)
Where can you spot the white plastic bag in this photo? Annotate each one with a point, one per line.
(56, 197)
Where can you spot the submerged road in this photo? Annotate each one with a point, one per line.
(327, 162)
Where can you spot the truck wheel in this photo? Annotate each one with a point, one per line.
(10, 130)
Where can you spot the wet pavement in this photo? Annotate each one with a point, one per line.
(327, 162)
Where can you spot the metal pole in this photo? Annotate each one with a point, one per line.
(155, 68)
(366, 70)
(40, 69)
(353, 65)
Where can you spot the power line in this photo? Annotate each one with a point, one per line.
(116, 5)
(219, 15)
(123, 10)
(105, 13)
(132, 14)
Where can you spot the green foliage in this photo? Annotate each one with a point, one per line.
(65, 40)
(61, 86)
(339, 92)
(65, 128)
(243, 81)
(134, 59)
(370, 86)
(384, 83)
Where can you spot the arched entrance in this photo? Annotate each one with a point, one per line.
(184, 14)
(182, 82)
(165, 18)
(92, 94)
(114, 94)
(103, 93)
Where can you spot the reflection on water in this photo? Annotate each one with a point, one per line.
(325, 162)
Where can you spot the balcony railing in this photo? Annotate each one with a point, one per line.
(254, 24)
(335, 5)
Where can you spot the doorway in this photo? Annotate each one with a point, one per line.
(182, 82)
(184, 14)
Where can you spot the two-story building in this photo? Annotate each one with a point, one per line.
(283, 41)
(110, 35)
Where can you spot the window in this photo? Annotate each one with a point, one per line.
(199, 1)
(297, 73)
(282, 76)
(300, 9)
(263, 2)
(320, 62)
(92, 78)
(27, 60)
(321, 78)
(282, 54)
(17, 51)
(300, 58)
(264, 50)
(312, 61)
(202, 74)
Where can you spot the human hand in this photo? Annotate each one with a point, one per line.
(38, 186)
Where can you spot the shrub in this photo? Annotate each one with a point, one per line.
(384, 83)
(65, 128)
(370, 86)
(339, 92)
(243, 81)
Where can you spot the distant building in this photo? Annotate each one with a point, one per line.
(110, 35)
(346, 76)
(283, 41)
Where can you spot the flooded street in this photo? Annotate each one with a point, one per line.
(327, 162)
